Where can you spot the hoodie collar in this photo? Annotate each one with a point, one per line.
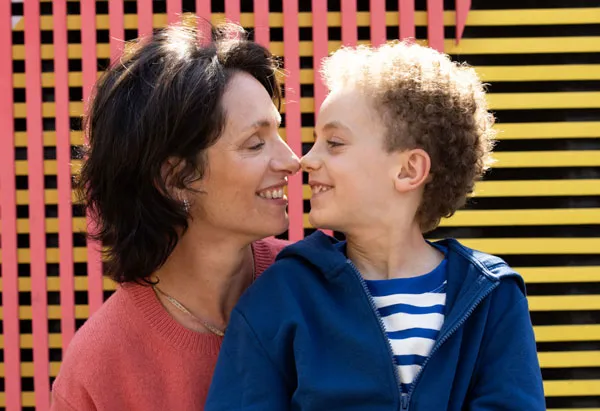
(328, 255)
(323, 252)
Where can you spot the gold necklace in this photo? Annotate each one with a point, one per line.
(181, 307)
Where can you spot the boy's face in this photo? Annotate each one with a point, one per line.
(350, 172)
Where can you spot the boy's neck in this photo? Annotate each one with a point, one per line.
(392, 252)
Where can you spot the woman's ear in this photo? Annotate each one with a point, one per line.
(169, 173)
(413, 170)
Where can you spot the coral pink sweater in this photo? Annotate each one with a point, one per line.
(132, 355)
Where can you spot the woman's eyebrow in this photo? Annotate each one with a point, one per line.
(262, 123)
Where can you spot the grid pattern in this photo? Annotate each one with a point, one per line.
(539, 208)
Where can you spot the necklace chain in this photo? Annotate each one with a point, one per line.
(181, 307)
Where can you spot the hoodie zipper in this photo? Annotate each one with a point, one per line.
(381, 327)
(442, 340)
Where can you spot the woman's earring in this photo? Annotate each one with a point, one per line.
(186, 205)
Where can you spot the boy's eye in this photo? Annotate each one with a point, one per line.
(332, 143)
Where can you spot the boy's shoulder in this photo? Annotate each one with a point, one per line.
(298, 274)
(475, 275)
(468, 265)
(285, 275)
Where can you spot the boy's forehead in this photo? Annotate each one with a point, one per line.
(346, 107)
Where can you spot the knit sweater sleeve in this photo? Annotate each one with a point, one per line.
(265, 252)
(79, 398)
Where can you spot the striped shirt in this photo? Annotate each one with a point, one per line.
(412, 310)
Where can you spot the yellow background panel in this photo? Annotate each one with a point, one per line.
(560, 216)
(508, 17)
(557, 333)
(583, 129)
(560, 274)
(538, 156)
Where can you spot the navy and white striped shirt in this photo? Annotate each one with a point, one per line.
(412, 310)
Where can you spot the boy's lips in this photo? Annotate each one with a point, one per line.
(318, 187)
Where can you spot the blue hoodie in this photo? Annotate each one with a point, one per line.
(307, 337)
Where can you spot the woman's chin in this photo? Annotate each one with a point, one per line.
(274, 226)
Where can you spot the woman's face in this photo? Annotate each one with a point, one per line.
(350, 172)
(248, 167)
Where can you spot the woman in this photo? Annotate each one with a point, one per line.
(386, 320)
(185, 175)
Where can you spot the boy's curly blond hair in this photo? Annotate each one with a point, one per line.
(426, 101)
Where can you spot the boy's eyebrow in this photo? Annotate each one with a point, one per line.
(333, 125)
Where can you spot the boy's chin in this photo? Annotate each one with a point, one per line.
(321, 221)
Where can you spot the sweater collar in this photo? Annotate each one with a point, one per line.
(155, 315)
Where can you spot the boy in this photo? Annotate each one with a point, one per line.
(386, 320)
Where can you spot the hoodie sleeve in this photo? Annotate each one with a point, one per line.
(246, 378)
(508, 376)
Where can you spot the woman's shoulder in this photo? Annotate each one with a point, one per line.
(93, 344)
(107, 321)
(274, 245)
(103, 333)
(265, 251)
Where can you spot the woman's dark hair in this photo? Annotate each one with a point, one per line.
(161, 101)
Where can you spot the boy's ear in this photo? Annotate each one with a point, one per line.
(413, 170)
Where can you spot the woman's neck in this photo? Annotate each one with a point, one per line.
(395, 251)
(207, 276)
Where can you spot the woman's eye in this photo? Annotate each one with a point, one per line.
(254, 143)
(257, 146)
(333, 144)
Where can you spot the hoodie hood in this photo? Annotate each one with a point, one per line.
(328, 256)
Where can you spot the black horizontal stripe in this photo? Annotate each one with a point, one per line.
(421, 5)
(551, 260)
(130, 7)
(568, 346)
(542, 173)
(27, 384)
(527, 59)
(521, 4)
(487, 32)
(571, 373)
(563, 288)
(18, 66)
(573, 402)
(520, 203)
(543, 86)
(18, 37)
(55, 354)
(549, 144)
(527, 203)
(17, 9)
(546, 30)
(518, 231)
(565, 317)
(547, 115)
